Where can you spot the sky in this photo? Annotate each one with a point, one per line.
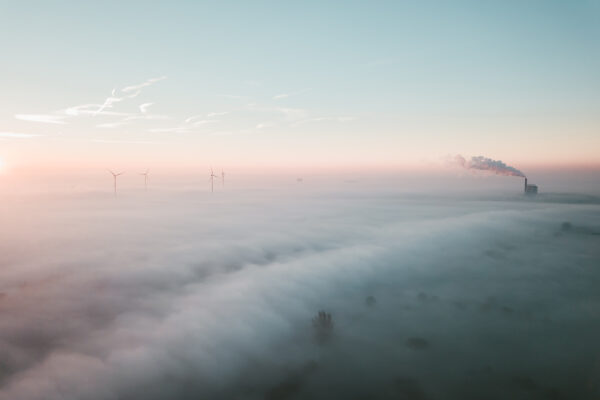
(186, 84)
(370, 161)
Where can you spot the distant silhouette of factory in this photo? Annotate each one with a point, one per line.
(530, 189)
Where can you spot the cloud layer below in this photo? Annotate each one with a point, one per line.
(181, 295)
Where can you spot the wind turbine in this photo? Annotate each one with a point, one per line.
(115, 178)
(212, 180)
(145, 178)
(222, 178)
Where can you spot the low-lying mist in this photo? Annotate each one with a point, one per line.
(296, 292)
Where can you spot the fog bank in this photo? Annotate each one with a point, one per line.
(184, 294)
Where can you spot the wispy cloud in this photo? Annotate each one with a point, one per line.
(92, 110)
(193, 118)
(148, 117)
(144, 107)
(108, 103)
(17, 135)
(190, 123)
(43, 118)
(264, 125)
(128, 118)
(216, 114)
(104, 109)
(205, 121)
(250, 116)
(197, 120)
(137, 88)
(135, 91)
(111, 125)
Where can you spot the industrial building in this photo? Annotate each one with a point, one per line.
(530, 189)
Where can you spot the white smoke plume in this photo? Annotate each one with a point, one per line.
(487, 164)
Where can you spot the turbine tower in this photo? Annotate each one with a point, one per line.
(115, 179)
(212, 180)
(145, 178)
(222, 178)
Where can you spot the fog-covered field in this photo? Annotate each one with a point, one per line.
(193, 295)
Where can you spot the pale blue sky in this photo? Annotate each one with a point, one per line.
(304, 82)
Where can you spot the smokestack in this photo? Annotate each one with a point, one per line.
(525, 185)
